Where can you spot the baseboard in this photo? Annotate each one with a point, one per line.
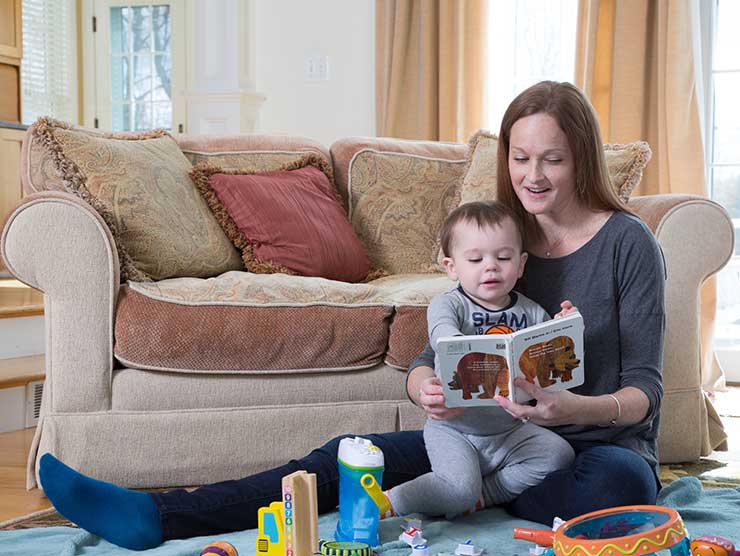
(20, 406)
(729, 359)
(12, 409)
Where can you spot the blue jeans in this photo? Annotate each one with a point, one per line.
(602, 476)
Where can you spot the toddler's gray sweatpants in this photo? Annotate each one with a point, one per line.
(464, 466)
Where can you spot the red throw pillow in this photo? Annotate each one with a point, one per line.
(288, 220)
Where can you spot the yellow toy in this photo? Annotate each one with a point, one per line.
(271, 536)
(219, 548)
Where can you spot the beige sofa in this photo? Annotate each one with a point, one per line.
(187, 380)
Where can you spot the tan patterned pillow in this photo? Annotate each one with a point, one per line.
(479, 182)
(626, 164)
(139, 184)
(397, 203)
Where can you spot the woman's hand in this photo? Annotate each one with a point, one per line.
(432, 399)
(553, 408)
(567, 308)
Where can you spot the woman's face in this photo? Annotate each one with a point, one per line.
(541, 165)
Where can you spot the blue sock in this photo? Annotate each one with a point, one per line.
(124, 517)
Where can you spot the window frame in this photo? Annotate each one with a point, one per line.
(729, 357)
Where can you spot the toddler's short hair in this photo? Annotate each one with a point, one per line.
(482, 213)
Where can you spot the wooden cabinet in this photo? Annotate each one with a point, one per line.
(10, 173)
(11, 52)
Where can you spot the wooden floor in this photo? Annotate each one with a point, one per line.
(15, 500)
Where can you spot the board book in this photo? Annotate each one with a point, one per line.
(473, 369)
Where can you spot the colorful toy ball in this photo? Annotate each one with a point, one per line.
(219, 548)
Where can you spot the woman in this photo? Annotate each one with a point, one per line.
(584, 246)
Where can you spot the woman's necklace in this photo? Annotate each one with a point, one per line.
(549, 249)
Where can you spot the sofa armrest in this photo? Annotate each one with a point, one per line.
(697, 237)
(58, 244)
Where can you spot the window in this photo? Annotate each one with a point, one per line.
(140, 67)
(49, 64)
(724, 172)
(541, 34)
(137, 56)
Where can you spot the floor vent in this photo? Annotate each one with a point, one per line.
(34, 391)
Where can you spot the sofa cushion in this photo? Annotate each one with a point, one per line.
(287, 220)
(397, 203)
(242, 322)
(626, 164)
(145, 390)
(410, 295)
(245, 322)
(139, 184)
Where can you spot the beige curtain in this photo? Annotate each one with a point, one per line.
(429, 68)
(636, 62)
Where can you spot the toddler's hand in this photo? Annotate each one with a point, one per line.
(432, 399)
(567, 308)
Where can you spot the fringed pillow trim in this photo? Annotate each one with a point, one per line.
(634, 176)
(75, 182)
(201, 174)
(473, 144)
(374, 274)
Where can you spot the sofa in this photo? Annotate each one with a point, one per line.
(189, 379)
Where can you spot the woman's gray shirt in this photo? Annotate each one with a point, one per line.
(617, 281)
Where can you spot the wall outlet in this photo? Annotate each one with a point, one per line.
(317, 68)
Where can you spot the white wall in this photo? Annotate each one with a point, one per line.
(286, 32)
(21, 337)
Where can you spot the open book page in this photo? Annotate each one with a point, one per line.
(474, 369)
(549, 355)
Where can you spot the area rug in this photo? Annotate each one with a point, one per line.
(710, 472)
(705, 511)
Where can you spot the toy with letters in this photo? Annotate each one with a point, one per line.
(301, 513)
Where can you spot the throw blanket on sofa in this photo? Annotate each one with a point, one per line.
(713, 511)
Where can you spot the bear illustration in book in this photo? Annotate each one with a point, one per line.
(477, 370)
(549, 361)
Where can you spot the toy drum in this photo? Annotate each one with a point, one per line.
(623, 531)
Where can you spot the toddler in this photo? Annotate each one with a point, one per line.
(483, 456)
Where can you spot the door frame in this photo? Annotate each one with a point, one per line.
(92, 106)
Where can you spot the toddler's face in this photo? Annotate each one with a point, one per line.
(487, 261)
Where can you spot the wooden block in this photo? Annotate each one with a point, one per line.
(301, 512)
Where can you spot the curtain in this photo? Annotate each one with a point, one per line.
(429, 68)
(639, 63)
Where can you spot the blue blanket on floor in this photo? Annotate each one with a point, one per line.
(713, 511)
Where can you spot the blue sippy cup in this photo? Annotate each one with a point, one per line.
(360, 474)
